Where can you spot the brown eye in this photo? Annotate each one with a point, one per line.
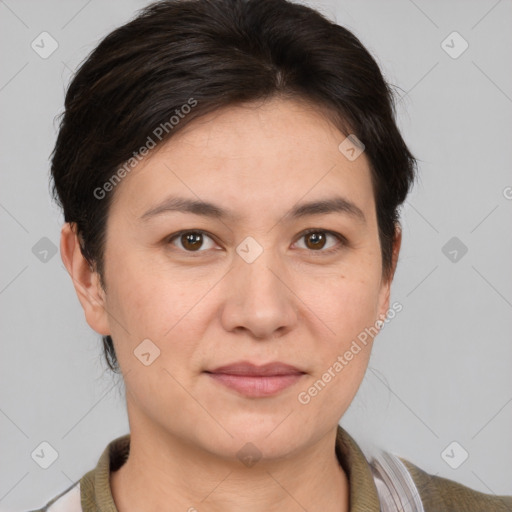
(317, 240)
(191, 241)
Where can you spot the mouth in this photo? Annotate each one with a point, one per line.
(256, 381)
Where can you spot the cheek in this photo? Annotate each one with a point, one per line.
(139, 293)
(347, 305)
(155, 304)
(349, 309)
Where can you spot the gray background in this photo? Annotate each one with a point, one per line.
(440, 371)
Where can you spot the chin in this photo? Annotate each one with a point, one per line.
(271, 435)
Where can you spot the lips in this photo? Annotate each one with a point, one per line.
(248, 368)
(256, 381)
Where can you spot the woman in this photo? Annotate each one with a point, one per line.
(230, 173)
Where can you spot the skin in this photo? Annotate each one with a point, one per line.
(295, 303)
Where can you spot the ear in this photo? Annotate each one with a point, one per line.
(85, 280)
(385, 291)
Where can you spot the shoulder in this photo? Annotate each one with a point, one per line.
(92, 491)
(66, 501)
(439, 493)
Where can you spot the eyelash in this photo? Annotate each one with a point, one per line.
(343, 241)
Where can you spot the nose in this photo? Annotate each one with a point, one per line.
(259, 300)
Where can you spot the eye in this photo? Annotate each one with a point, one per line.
(191, 241)
(316, 240)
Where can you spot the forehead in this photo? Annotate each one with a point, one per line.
(259, 156)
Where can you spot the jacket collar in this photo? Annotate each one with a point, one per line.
(363, 492)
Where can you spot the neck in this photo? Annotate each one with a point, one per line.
(160, 472)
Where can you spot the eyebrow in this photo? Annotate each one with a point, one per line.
(320, 207)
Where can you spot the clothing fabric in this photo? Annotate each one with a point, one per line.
(386, 483)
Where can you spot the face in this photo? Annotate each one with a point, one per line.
(206, 289)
